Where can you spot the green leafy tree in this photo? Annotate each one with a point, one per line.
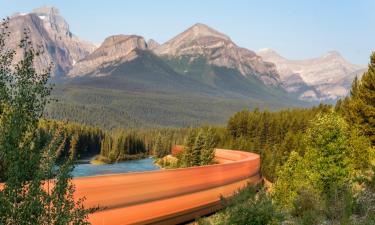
(327, 165)
(291, 179)
(250, 206)
(328, 151)
(28, 162)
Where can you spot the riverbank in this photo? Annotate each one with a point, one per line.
(139, 165)
(102, 160)
(167, 162)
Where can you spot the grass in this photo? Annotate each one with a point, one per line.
(100, 160)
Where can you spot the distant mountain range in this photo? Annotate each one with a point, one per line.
(328, 77)
(200, 70)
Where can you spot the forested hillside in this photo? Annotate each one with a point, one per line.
(151, 92)
(320, 162)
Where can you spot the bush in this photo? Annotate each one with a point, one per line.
(247, 207)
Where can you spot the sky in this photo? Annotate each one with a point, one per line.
(297, 29)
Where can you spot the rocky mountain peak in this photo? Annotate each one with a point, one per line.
(328, 75)
(39, 36)
(48, 10)
(59, 31)
(218, 50)
(114, 49)
(53, 20)
(193, 40)
(268, 53)
(128, 42)
(332, 54)
(199, 30)
(50, 30)
(152, 44)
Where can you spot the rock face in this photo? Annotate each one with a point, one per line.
(325, 78)
(58, 30)
(50, 31)
(328, 77)
(219, 50)
(114, 49)
(152, 44)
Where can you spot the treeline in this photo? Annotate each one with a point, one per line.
(198, 149)
(321, 162)
(253, 130)
(271, 134)
(80, 140)
(112, 146)
(121, 145)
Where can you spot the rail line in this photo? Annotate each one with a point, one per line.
(168, 196)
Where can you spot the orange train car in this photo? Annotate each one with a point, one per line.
(168, 196)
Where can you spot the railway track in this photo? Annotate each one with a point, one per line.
(168, 196)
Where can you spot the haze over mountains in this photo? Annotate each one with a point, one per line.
(200, 75)
(324, 78)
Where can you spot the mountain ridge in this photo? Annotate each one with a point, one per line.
(48, 29)
(327, 76)
(113, 49)
(219, 50)
(321, 78)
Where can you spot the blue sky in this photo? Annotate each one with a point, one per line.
(297, 29)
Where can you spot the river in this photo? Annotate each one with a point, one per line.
(87, 169)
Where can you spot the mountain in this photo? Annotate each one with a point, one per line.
(48, 29)
(59, 31)
(152, 44)
(218, 50)
(127, 82)
(200, 76)
(324, 78)
(200, 60)
(114, 49)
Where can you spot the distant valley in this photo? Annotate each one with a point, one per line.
(199, 76)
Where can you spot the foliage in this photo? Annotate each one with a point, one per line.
(316, 186)
(364, 202)
(119, 144)
(198, 148)
(28, 157)
(81, 140)
(162, 146)
(359, 107)
(207, 155)
(247, 207)
(272, 134)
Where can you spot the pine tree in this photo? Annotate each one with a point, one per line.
(74, 145)
(361, 106)
(197, 149)
(106, 145)
(188, 155)
(158, 147)
(208, 151)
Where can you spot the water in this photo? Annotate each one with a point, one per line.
(83, 170)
